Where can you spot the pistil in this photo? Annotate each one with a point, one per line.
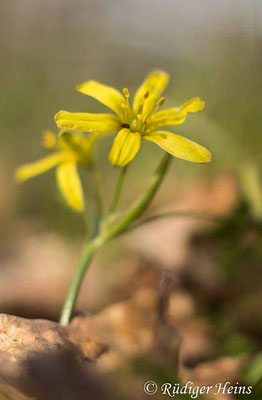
(126, 104)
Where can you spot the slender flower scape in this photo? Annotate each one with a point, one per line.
(72, 150)
(140, 122)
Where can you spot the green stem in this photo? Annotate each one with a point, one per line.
(109, 232)
(118, 191)
(98, 193)
(94, 214)
(141, 205)
(71, 297)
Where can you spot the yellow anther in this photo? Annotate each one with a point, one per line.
(145, 119)
(139, 116)
(126, 93)
(146, 94)
(49, 139)
(161, 101)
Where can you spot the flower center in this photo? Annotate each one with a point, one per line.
(138, 122)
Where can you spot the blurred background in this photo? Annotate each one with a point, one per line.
(211, 50)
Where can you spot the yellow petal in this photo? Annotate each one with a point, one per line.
(87, 122)
(70, 185)
(175, 115)
(28, 171)
(191, 106)
(152, 126)
(125, 147)
(179, 146)
(107, 95)
(149, 92)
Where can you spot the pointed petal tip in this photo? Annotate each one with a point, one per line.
(210, 157)
(207, 159)
(180, 147)
(159, 72)
(58, 115)
(203, 104)
(206, 156)
(80, 87)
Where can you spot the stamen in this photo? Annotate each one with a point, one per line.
(158, 104)
(148, 116)
(126, 93)
(141, 106)
(140, 116)
(126, 105)
(161, 101)
(145, 119)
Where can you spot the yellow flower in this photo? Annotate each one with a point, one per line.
(72, 150)
(142, 121)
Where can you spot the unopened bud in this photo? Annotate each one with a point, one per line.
(49, 139)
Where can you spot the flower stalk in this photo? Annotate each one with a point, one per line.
(119, 189)
(141, 205)
(111, 231)
(88, 253)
